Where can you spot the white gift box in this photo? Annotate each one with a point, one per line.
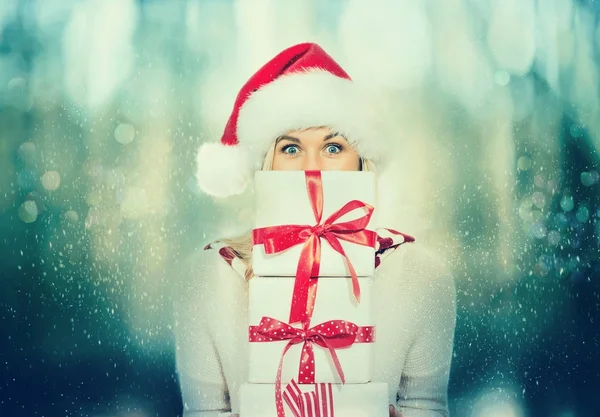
(271, 297)
(282, 199)
(350, 400)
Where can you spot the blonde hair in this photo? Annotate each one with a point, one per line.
(242, 245)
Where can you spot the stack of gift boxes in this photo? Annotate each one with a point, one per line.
(310, 325)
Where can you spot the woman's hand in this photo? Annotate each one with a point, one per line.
(394, 412)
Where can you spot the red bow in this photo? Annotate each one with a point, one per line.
(279, 238)
(333, 334)
(318, 402)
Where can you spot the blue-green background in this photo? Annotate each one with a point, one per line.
(495, 111)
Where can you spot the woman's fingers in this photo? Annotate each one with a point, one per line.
(394, 412)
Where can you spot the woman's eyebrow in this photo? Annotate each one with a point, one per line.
(331, 136)
(286, 137)
(296, 140)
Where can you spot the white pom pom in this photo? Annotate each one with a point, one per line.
(222, 170)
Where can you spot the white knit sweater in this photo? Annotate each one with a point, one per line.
(415, 315)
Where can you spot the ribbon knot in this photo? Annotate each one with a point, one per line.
(320, 229)
(280, 238)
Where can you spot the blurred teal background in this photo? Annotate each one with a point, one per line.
(494, 117)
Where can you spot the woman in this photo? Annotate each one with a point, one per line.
(301, 111)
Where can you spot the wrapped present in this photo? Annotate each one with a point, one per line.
(323, 400)
(335, 346)
(313, 224)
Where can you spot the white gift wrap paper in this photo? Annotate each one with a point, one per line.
(349, 400)
(271, 297)
(281, 199)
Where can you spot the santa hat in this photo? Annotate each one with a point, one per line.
(299, 88)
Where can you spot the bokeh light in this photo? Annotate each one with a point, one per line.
(28, 211)
(124, 133)
(51, 180)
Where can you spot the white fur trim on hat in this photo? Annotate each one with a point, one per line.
(222, 170)
(310, 99)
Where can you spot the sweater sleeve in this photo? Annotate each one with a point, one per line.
(423, 388)
(203, 386)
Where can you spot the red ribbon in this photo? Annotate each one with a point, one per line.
(333, 334)
(315, 403)
(279, 238)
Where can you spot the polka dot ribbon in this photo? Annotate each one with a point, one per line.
(280, 238)
(314, 403)
(332, 335)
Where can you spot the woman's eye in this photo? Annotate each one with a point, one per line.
(333, 148)
(290, 149)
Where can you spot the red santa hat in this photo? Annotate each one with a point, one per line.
(301, 87)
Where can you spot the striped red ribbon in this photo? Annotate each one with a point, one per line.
(315, 403)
